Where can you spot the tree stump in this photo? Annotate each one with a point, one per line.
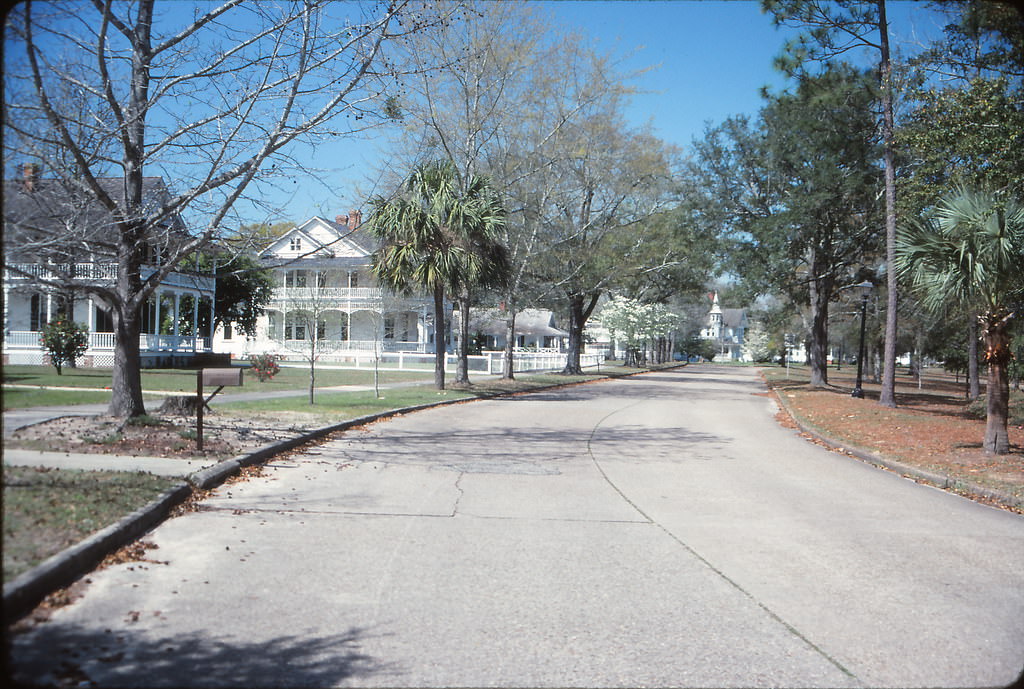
(182, 405)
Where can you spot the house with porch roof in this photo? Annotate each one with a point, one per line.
(57, 252)
(326, 296)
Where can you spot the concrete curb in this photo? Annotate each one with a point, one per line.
(936, 479)
(25, 592)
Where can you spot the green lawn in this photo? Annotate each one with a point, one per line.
(15, 398)
(167, 380)
(46, 511)
(343, 405)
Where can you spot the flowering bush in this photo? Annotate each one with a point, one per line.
(64, 341)
(265, 365)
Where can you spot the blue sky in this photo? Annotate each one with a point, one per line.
(713, 56)
(711, 59)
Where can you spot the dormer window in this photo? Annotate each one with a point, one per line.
(296, 244)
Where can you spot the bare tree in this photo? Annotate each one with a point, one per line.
(210, 101)
(491, 92)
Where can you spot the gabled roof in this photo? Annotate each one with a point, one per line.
(50, 210)
(733, 318)
(324, 239)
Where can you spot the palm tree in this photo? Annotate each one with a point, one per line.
(971, 253)
(438, 238)
(488, 265)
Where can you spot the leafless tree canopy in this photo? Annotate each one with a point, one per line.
(108, 98)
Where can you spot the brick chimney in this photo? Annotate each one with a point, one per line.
(341, 220)
(30, 175)
(355, 219)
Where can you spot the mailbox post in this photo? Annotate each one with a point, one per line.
(221, 377)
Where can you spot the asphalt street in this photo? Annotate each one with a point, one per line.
(661, 530)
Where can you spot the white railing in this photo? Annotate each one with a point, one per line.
(290, 298)
(106, 272)
(29, 339)
(101, 340)
(327, 294)
(174, 343)
(527, 360)
(22, 339)
(362, 354)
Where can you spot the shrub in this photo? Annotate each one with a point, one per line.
(265, 365)
(64, 341)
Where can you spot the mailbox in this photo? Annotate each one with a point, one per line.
(222, 377)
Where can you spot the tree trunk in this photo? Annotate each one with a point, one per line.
(126, 382)
(312, 374)
(973, 375)
(576, 336)
(572, 354)
(997, 356)
(510, 343)
(439, 331)
(887, 397)
(579, 311)
(818, 350)
(462, 368)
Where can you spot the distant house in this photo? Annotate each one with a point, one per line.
(324, 289)
(726, 328)
(535, 329)
(45, 279)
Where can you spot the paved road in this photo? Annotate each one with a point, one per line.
(655, 531)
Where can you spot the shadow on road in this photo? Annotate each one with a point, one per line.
(71, 655)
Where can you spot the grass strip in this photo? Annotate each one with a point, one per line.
(184, 380)
(47, 510)
(345, 405)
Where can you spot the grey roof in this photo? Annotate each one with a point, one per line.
(53, 210)
(528, 322)
(733, 318)
(360, 236)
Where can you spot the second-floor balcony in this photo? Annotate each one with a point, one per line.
(100, 272)
(344, 298)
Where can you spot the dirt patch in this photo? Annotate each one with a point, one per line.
(162, 436)
(931, 429)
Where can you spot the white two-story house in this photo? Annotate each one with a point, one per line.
(327, 303)
(726, 328)
(56, 248)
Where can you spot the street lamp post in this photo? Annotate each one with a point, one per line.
(865, 289)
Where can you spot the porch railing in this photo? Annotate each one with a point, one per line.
(30, 339)
(105, 272)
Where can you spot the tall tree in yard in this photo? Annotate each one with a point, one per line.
(795, 195)
(971, 253)
(207, 99)
(438, 239)
(833, 28)
(491, 92)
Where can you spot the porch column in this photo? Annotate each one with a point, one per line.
(195, 322)
(177, 315)
(158, 296)
(90, 318)
(213, 304)
(49, 307)
(7, 301)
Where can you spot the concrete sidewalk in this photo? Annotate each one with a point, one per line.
(158, 466)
